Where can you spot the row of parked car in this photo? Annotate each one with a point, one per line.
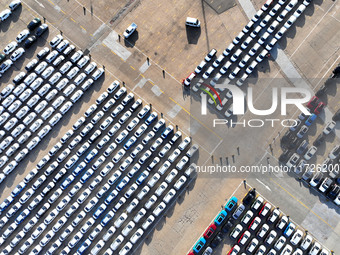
(111, 181)
(262, 229)
(21, 105)
(252, 34)
(28, 37)
(325, 176)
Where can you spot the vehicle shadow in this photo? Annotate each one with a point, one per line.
(14, 17)
(193, 34)
(131, 41)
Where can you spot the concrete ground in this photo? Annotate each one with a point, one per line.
(163, 38)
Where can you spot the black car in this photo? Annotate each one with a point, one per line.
(319, 140)
(285, 156)
(34, 24)
(336, 116)
(217, 240)
(226, 227)
(249, 198)
(333, 192)
(286, 138)
(30, 40)
(2, 57)
(294, 143)
(42, 29)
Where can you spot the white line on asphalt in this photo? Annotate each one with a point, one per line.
(41, 5)
(311, 31)
(326, 71)
(263, 184)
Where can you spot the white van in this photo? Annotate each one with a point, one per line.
(192, 22)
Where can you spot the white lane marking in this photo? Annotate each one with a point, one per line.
(174, 111)
(156, 90)
(144, 67)
(111, 41)
(313, 28)
(264, 185)
(41, 5)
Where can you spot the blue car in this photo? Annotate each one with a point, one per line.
(78, 169)
(129, 143)
(18, 189)
(86, 176)
(289, 229)
(141, 178)
(310, 119)
(67, 182)
(91, 155)
(220, 218)
(107, 218)
(231, 204)
(111, 197)
(199, 245)
(99, 211)
(153, 116)
(6, 203)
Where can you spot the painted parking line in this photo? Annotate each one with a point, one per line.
(309, 209)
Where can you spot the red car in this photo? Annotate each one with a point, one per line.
(319, 108)
(210, 231)
(233, 251)
(187, 80)
(313, 102)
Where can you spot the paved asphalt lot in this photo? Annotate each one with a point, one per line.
(173, 49)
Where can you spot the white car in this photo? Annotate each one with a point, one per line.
(180, 182)
(280, 33)
(291, 5)
(129, 31)
(136, 236)
(72, 73)
(307, 242)
(62, 45)
(62, 84)
(299, 10)
(96, 75)
(83, 61)
(17, 54)
(76, 96)
(79, 79)
(22, 35)
(76, 56)
(52, 56)
(56, 40)
(55, 78)
(117, 242)
(290, 22)
(65, 67)
(10, 47)
(89, 69)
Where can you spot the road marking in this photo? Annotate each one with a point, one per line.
(195, 118)
(264, 185)
(132, 67)
(41, 5)
(73, 20)
(309, 209)
(51, 2)
(113, 52)
(63, 11)
(311, 31)
(82, 28)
